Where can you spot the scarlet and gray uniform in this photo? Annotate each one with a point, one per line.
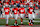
(7, 14)
(31, 13)
(22, 12)
(15, 13)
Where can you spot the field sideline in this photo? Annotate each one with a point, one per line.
(25, 21)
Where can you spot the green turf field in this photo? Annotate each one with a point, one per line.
(25, 21)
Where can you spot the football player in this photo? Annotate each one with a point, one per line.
(31, 15)
(15, 12)
(6, 10)
(22, 13)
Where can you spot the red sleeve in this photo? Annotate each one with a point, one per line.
(9, 0)
(34, 4)
(33, 9)
(13, 9)
(4, 9)
(17, 8)
(8, 8)
(24, 10)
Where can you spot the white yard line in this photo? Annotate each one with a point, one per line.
(28, 21)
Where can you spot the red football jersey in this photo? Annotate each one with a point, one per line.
(22, 10)
(12, 2)
(23, 3)
(0, 1)
(17, 1)
(15, 10)
(30, 10)
(39, 3)
(7, 0)
(36, 7)
(6, 3)
(6, 11)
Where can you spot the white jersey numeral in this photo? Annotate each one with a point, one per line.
(15, 11)
(31, 10)
(6, 10)
(22, 10)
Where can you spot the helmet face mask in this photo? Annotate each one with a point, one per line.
(14, 6)
(6, 6)
(31, 6)
(21, 6)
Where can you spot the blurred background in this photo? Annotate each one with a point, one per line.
(26, 4)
